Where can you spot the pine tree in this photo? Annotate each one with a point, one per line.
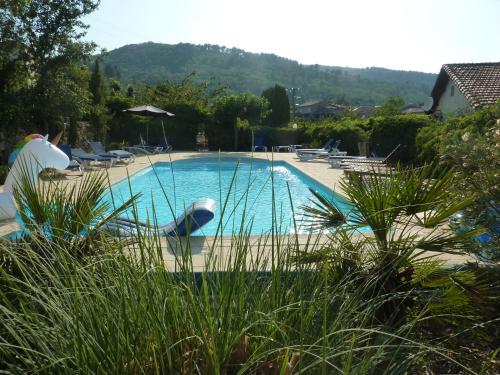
(98, 112)
(279, 105)
(96, 85)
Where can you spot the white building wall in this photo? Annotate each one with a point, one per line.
(453, 105)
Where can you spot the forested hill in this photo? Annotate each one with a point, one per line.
(244, 71)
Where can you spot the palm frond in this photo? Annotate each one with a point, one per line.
(322, 213)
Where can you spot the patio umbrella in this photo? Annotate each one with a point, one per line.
(150, 111)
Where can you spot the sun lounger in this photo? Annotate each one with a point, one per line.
(137, 150)
(144, 149)
(87, 159)
(336, 160)
(368, 169)
(369, 161)
(259, 145)
(327, 147)
(306, 155)
(194, 217)
(119, 155)
(73, 164)
(165, 145)
(281, 148)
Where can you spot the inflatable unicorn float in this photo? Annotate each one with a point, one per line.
(33, 154)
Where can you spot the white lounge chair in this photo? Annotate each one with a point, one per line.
(306, 155)
(336, 160)
(194, 217)
(340, 161)
(327, 147)
(369, 161)
(144, 149)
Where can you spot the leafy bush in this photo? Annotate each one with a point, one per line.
(230, 114)
(4, 171)
(389, 131)
(427, 143)
(471, 144)
(349, 131)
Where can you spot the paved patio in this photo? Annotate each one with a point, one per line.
(201, 246)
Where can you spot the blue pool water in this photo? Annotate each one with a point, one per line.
(249, 196)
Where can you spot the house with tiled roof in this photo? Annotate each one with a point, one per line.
(318, 110)
(461, 88)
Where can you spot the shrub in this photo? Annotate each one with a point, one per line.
(349, 131)
(427, 143)
(220, 136)
(470, 144)
(388, 131)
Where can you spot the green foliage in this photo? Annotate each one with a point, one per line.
(391, 106)
(349, 131)
(405, 211)
(249, 72)
(470, 144)
(4, 171)
(223, 131)
(98, 118)
(279, 106)
(60, 96)
(41, 84)
(81, 304)
(96, 84)
(389, 131)
(56, 41)
(71, 215)
(189, 102)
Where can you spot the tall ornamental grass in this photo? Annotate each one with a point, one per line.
(267, 308)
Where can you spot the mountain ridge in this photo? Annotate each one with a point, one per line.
(151, 63)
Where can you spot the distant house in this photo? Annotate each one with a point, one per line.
(463, 88)
(318, 110)
(365, 111)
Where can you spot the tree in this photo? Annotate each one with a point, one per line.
(188, 101)
(391, 106)
(40, 40)
(227, 109)
(279, 105)
(96, 85)
(97, 89)
(115, 86)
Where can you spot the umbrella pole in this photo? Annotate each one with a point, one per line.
(147, 133)
(164, 136)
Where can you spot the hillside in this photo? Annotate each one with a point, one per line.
(243, 71)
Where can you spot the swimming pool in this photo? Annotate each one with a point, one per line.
(244, 190)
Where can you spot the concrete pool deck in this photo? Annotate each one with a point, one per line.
(201, 246)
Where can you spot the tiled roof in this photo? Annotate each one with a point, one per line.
(479, 83)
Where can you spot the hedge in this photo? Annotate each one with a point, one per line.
(350, 132)
(386, 132)
(220, 138)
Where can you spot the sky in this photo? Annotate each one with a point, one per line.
(416, 35)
